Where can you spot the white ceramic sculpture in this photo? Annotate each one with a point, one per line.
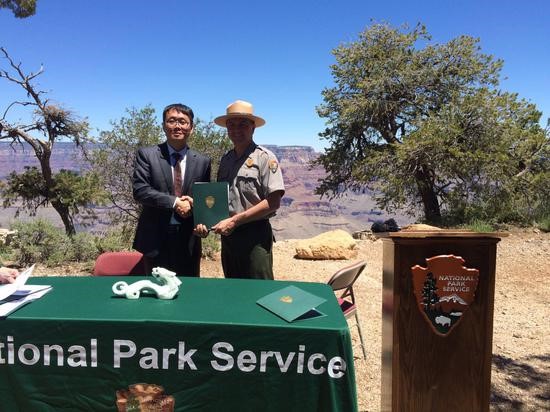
(167, 289)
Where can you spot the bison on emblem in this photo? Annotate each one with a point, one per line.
(444, 290)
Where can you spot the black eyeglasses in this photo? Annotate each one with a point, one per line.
(180, 122)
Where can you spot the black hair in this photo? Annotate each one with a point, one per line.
(180, 108)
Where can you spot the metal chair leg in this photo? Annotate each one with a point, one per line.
(360, 335)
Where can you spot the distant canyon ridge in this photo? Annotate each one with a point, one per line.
(301, 215)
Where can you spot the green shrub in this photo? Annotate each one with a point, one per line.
(113, 240)
(5, 254)
(83, 247)
(544, 223)
(480, 226)
(40, 241)
(211, 245)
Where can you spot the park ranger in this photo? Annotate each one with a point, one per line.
(255, 191)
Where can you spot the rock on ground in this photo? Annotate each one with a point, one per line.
(332, 245)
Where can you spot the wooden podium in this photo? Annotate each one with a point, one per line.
(437, 330)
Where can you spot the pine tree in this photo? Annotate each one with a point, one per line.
(429, 293)
(426, 128)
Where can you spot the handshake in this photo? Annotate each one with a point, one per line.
(183, 206)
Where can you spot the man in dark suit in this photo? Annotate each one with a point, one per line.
(162, 182)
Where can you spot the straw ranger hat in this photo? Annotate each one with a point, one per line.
(239, 108)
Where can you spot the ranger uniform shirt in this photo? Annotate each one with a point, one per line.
(251, 177)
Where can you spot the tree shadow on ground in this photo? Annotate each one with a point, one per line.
(526, 386)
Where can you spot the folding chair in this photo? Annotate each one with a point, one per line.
(344, 279)
(120, 264)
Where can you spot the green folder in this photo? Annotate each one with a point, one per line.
(210, 203)
(292, 303)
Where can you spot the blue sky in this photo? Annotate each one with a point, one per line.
(103, 56)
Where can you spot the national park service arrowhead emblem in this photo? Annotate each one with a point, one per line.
(210, 201)
(286, 299)
(444, 290)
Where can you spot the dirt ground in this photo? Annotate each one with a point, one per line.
(521, 349)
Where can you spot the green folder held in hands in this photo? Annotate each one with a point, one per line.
(292, 303)
(210, 203)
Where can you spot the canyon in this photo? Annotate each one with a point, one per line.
(302, 213)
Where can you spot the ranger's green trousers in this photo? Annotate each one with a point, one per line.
(247, 253)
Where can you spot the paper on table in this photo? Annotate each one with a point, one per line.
(10, 288)
(28, 290)
(12, 303)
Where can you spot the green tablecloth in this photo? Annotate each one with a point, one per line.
(212, 348)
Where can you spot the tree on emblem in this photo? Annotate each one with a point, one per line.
(429, 293)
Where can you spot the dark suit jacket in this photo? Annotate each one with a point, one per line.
(153, 188)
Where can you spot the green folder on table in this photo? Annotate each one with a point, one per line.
(210, 203)
(292, 303)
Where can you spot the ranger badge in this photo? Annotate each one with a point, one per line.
(273, 166)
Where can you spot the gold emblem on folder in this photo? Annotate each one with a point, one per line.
(286, 299)
(210, 200)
